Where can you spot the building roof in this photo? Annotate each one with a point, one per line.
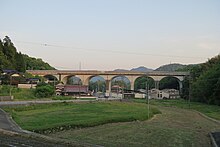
(9, 71)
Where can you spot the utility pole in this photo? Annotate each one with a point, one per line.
(147, 96)
(189, 90)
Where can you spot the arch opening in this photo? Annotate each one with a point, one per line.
(169, 83)
(73, 80)
(50, 79)
(141, 83)
(120, 83)
(97, 86)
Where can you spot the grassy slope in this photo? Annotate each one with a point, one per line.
(175, 127)
(71, 115)
(212, 111)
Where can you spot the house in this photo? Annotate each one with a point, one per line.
(71, 89)
(164, 94)
(12, 77)
(33, 81)
(173, 93)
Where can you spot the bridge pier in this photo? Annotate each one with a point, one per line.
(157, 84)
(108, 86)
(181, 87)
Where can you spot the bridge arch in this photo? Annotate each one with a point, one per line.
(172, 82)
(72, 80)
(96, 83)
(121, 81)
(140, 82)
(51, 79)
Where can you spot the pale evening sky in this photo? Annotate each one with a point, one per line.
(110, 34)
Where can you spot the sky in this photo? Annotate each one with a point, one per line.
(113, 34)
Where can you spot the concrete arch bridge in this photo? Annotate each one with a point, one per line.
(108, 76)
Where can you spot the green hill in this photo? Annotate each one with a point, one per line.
(10, 58)
(170, 67)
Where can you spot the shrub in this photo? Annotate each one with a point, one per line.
(44, 90)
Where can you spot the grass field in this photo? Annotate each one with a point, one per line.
(174, 127)
(112, 123)
(212, 111)
(21, 94)
(53, 117)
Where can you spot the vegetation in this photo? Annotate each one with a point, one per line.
(169, 83)
(11, 59)
(36, 64)
(212, 111)
(175, 127)
(140, 83)
(170, 67)
(204, 81)
(44, 90)
(97, 86)
(18, 93)
(170, 128)
(53, 117)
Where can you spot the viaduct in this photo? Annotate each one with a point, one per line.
(108, 76)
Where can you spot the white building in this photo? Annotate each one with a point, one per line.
(163, 94)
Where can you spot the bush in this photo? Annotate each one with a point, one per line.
(5, 89)
(44, 90)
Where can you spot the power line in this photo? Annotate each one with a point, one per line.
(108, 51)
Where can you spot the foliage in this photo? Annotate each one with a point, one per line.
(207, 86)
(204, 81)
(36, 64)
(60, 116)
(170, 67)
(4, 90)
(140, 83)
(98, 86)
(44, 90)
(11, 59)
(24, 94)
(169, 83)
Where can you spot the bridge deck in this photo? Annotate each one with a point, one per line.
(95, 72)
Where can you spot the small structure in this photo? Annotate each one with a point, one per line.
(33, 81)
(116, 89)
(10, 76)
(9, 71)
(71, 89)
(164, 94)
(173, 93)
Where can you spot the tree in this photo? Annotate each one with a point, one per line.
(11, 59)
(140, 83)
(20, 65)
(169, 83)
(44, 90)
(206, 87)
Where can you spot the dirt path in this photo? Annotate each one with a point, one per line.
(174, 127)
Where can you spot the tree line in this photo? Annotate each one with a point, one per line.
(203, 85)
(10, 58)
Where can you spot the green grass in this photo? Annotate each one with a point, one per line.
(212, 111)
(174, 127)
(23, 94)
(53, 117)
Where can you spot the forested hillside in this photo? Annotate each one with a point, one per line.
(170, 67)
(11, 59)
(205, 81)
